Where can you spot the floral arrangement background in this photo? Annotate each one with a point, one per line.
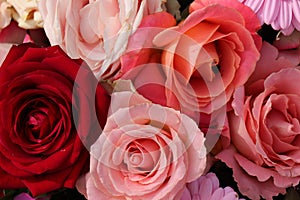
(149, 99)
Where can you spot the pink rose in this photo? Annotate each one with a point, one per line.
(101, 41)
(209, 54)
(145, 151)
(265, 128)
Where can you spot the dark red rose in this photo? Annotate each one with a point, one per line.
(47, 100)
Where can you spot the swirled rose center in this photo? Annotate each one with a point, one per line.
(281, 124)
(142, 156)
(136, 158)
(38, 123)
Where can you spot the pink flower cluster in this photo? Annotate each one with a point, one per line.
(175, 92)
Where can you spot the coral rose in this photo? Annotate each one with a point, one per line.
(214, 51)
(146, 151)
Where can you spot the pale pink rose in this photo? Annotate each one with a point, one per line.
(265, 128)
(207, 188)
(96, 31)
(146, 151)
(209, 54)
(5, 14)
(283, 15)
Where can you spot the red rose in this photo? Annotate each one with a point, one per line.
(45, 102)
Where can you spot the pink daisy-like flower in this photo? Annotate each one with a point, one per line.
(283, 15)
(207, 188)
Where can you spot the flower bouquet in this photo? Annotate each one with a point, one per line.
(149, 99)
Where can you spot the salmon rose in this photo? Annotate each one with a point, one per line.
(265, 128)
(146, 151)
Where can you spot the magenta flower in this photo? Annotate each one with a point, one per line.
(207, 188)
(283, 15)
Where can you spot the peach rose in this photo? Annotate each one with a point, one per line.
(146, 151)
(101, 41)
(265, 128)
(214, 51)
